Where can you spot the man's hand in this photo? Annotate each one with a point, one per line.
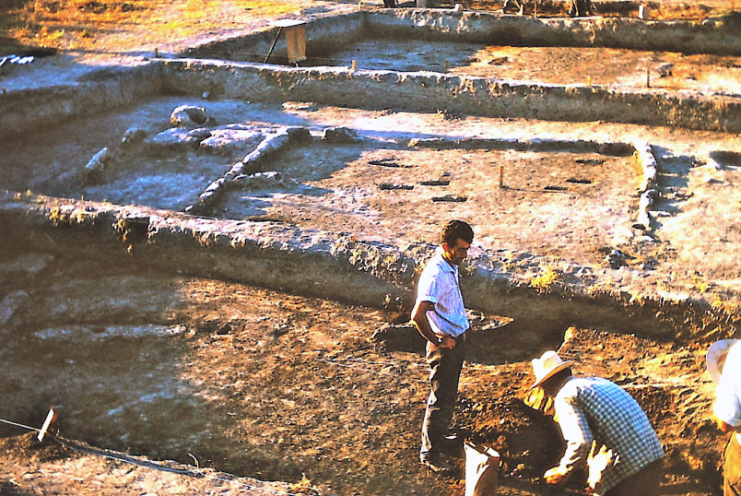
(447, 342)
(555, 475)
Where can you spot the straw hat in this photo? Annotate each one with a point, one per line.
(716, 357)
(547, 366)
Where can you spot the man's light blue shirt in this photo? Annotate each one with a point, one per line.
(439, 284)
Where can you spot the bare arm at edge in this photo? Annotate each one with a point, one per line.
(419, 318)
(723, 426)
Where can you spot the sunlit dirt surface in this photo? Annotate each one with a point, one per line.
(278, 387)
(616, 69)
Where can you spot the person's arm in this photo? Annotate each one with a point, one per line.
(578, 437)
(727, 405)
(726, 410)
(419, 318)
(723, 426)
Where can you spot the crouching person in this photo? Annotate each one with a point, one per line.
(606, 431)
(724, 367)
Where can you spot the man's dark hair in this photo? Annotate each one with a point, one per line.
(455, 230)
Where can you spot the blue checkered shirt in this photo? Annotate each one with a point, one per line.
(596, 411)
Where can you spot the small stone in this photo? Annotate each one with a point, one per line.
(664, 70)
(133, 136)
(10, 304)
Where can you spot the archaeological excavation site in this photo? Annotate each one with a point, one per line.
(209, 248)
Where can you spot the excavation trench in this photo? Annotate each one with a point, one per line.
(150, 348)
(236, 289)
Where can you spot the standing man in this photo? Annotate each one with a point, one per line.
(440, 317)
(724, 366)
(604, 428)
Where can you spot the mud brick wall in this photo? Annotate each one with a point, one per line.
(106, 89)
(424, 92)
(712, 36)
(101, 91)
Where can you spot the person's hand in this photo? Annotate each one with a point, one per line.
(723, 426)
(447, 342)
(554, 475)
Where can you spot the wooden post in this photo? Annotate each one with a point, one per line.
(354, 65)
(272, 47)
(648, 77)
(501, 176)
(50, 418)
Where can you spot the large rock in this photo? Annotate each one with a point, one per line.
(231, 141)
(259, 180)
(340, 135)
(190, 117)
(177, 138)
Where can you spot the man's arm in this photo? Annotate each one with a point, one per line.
(726, 410)
(419, 318)
(578, 437)
(727, 405)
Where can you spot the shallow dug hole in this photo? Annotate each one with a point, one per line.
(280, 387)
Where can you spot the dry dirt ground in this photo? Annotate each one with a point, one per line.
(609, 68)
(278, 387)
(228, 379)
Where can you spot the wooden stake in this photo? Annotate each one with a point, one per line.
(648, 77)
(354, 65)
(446, 66)
(501, 176)
(272, 47)
(50, 418)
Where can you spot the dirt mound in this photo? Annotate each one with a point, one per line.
(28, 447)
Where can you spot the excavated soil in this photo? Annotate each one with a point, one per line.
(229, 385)
(279, 387)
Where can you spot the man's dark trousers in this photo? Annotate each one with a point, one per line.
(445, 371)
